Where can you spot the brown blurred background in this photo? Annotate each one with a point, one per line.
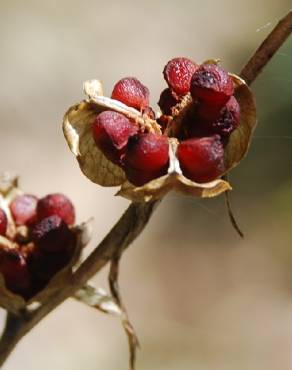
(199, 297)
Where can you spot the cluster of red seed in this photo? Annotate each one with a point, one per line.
(212, 116)
(42, 241)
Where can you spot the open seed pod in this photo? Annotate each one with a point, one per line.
(17, 303)
(77, 127)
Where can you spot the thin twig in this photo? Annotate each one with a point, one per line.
(115, 292)
(267, 49)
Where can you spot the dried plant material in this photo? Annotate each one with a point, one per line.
(157, 188)
(77, 130)
(240, 139)
(232, 218)
(97, 298)
(115, 291)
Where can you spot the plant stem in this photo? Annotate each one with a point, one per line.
(267, 49)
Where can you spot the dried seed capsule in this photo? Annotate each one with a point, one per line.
(132, 92)
(56, 204)
(178, 73)
(201, 159)
(211, 84)
(23, 209)
(111, 131)
(146, 158)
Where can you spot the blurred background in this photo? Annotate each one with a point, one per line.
(199, 297)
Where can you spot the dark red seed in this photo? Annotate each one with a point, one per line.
(132, 92)
(52, 235)
(201, 159)
(211, 84)
(3, 222)
(167, 101)
(146, 158)
(56, 204)
(45, 265)
(224, 124)
(229, 118)
(111, 131)
(178, 73)
(15, 271)
(23, 209)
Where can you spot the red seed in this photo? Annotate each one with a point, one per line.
(23, 209)
(167, 101)
(201, 159)
(111, 131)
(3, 222)
(52, 235)
(15, 271)
(45, 265)
(56, 204)
(146, 158)
(178, 73)
(132, 92)
(224, 124)
(212, 84)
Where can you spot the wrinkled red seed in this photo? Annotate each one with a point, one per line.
(15, 271)
(23, 209)
(3, 222)
(201, 159)
(167, 101)
(211, 84)
(56, 204)
(146, 157)
(227, 121)
(52, 235)
(229, 118)
(178, 73)
(111, 131)
(132, 92)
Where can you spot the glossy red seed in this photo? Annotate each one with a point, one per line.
(201, 159)
(52, 235)
(3, 222)
(111, 131)
(132, 92)
(146, 158)
(56, 204)
(178, 73)
(211, 84)
(15, 271)
(23, 209)
(167, 101)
